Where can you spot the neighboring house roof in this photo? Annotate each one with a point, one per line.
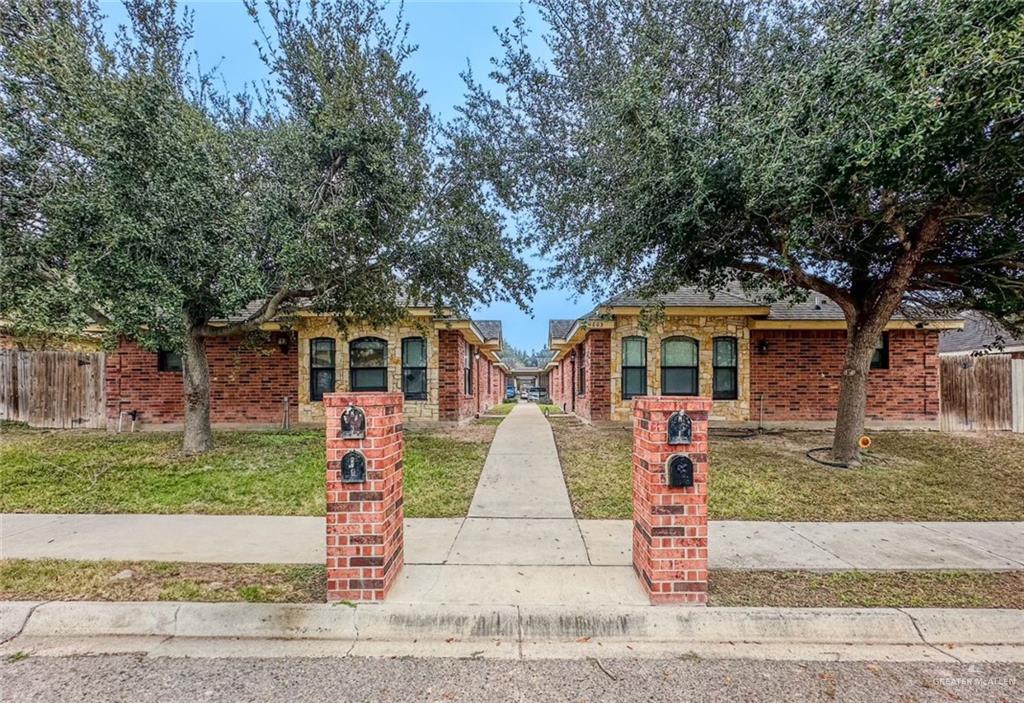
(557, 329)
(979, 334)
(490, 329)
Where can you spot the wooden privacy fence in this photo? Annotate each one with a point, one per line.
(982, 393)
(52, 388)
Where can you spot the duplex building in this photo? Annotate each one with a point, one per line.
(757, 360)
(448, 369)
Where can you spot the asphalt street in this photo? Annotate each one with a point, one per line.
(167, 680)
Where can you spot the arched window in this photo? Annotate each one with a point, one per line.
(368, 364)
(414, 368)
(724, 362)
(679, 365)
(634, 367)
(321, 367)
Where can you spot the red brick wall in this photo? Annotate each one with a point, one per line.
(559, 384)
(453, 403)
(670, 525)
(799, 375)
(365, 539)
(248, 380)
(599, 370)
(593, 402)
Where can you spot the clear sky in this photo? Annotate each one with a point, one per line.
(449, 33)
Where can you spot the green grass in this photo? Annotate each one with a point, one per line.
(256, 473)
(501, 409)
(441, 474)
(52, 579)
(551, 409)
(905, 476)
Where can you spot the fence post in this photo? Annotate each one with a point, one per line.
(364, 494)
(670, 515)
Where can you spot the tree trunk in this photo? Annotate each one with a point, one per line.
(853, 394)
(198, 434)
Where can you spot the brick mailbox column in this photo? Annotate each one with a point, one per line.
(364, 511)
(670, 523)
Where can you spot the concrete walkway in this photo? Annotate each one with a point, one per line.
(520, 544)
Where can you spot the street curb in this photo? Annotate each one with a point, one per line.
(400, 622)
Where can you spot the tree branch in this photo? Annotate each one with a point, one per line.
(266, 312)
(796, 275)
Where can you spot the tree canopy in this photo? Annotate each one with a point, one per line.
(870, 151)
(138, 196)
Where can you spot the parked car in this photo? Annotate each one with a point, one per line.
(510, 393)
(535, 394)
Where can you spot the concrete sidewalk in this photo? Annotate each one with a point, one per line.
(516, 561)
(395, 629)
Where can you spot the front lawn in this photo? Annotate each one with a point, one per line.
(255, 473)
(905, 476)
(502, 409)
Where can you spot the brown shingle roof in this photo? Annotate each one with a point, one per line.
(979, 333)
(490, 329)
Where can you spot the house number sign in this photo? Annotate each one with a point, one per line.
(353, 423)
(353, 468)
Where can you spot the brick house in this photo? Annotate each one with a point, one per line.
(448, 370)
(775, 362)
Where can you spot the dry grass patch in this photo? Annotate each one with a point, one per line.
(67, 580)
(910, 475)
(867, 589)
(57, 579)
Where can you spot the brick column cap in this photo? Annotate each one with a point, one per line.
(671, 402)
(363, 398)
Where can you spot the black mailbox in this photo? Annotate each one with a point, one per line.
(680, 428)
(353, 468)
(353, 423)
(680, 471)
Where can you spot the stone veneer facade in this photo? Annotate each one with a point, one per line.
(446, 400)
(316, 327)
(704, 330)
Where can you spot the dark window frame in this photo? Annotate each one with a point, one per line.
(734, 394)
(169, 362)
(408, 367)
(467, 371)
(353, 369)
(314, 395)
(643, 390)
(695, 369)
(882, 352)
